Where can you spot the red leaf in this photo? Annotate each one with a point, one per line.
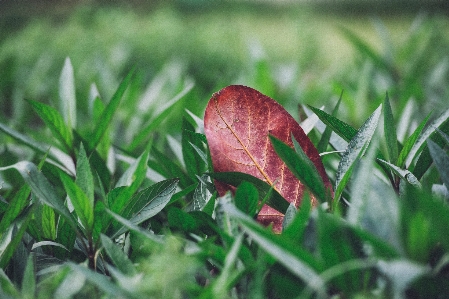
(237, 122)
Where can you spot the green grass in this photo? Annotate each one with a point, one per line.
(107, 188)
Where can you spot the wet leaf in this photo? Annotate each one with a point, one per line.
(237, 123)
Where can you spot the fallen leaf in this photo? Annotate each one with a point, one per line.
(237, 123)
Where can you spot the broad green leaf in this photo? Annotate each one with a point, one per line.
(274, 200)
(66, 237)
(157, 119)
(301, 166)
(420, 142)
(441, 161)
(83, 205)
(15, 207)
(118, 257)
(325, 137)
(355, 149)
(41, 188)
(402, 173)
(411, 141)
(48, 223)
(246, 198)
(201, 195)
(148, 202)
(29, 279)
(53, 120)
(298, 261)
(84, 178)
(344, 130)
(390, 131)
(179, 219)
(108, 113)
(55, 154)
(67, 95)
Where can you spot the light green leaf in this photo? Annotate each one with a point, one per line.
(421, 141)
(48, 222)
(325, 137)
(67, 94)
(390, 131)
(301, 166)
(411, 141)
(108, 113)
(289, 216)
(441, 161)
(402, 173)
(82, 204)
(201, 195)
(15, 207)
(53, 120)
(84, 178)
(118, 257)
(41, 188)
(355, 149)
(246, 198)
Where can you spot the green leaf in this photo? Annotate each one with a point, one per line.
(118, 257)
(343, 130)
(61, 158)
(17, 231)
(41, 188)
(67, 94)
(195, 163)
(108, 113)
(390, 131)
(29, 279)
(421, 141)
(325, 137)
(201, 195)
(411, 141)
(48, 223)
(181, 220)
(441, 161)
(301, 166)
(65, 236)
(84, 178)
(295, 230)
(404, 174)
(53, 120)
(246, 198)
(148, 202)
(83, 205)
(15, 207)
(162, 164)
(274, 200)
(289, 216)
(298, 261)
(355, 149)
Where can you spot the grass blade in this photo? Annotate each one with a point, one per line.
(411, 141)
(354, 150)
(108, 113)
(344, 130)
(84, 178)
(325, 137)
(118, 257)
(390, 131)
(53, 120)
(402, 173)
(67, 94)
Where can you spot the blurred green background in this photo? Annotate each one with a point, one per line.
(296, 52)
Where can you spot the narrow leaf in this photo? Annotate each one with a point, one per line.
(390, 131)
(84, 178)
(67, 94)
(29, 278)
(118, 257)
(15, 207)
(402, 173)
(343, 130)
(53, 120)
(246, 198)
(108, 113)
(326, 136)
(354, 150)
